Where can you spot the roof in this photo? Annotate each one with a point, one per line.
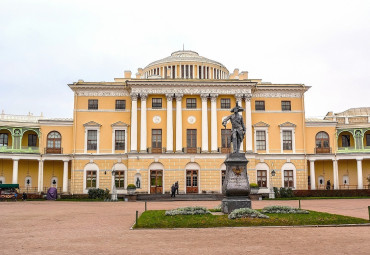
(361, 111)
(185, 56)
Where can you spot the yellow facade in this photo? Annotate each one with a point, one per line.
(169, 130)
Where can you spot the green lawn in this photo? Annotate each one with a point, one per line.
(157, 219)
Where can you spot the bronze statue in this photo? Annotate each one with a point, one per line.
(238, 128)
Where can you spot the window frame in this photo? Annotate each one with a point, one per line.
(367, 139)
(225, 103)
(286, 105)
(260, 176)
(191, 103)
(259, 107)
(90, 144)
(290, 178)
(261, 144)
(32, 140)
(287, 142)
(2, 139)
(93, 104)
(121, 179)
(120, 104)
(347, 140)
(157, 139)
(224, 135)
(118, 143)
(192, 134)
(89, 173)
(157, 105)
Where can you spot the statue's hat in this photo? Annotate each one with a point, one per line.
(237, 108)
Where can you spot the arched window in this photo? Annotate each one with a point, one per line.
(54, 142)
(322, 142)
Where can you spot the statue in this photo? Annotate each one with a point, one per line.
(238, 128)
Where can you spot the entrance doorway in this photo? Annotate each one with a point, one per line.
(156, 178)
(192, 181)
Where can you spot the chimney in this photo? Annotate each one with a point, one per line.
(128, 74)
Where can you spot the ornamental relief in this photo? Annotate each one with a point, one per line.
(191, 91)
(110, 93)
(277, 94)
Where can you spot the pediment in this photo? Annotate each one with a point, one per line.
(119, 124)
(287, 124)
(92, 124)
(261, 124)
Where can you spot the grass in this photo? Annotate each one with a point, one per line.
(157, 219)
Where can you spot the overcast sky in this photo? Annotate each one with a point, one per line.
(45, 45)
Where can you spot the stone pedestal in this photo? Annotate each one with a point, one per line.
(236, 185)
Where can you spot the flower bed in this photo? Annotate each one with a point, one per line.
(187, 211)
(282, 209)
(246, 213)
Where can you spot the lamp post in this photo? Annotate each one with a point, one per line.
(114, 191)
(272, 193)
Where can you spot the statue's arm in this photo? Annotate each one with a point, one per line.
(243, 124)
(225, 121)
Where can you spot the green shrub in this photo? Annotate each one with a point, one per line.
(254, 186)
(277, 193)
(131, 186)
(246, 213)
(98, 193)
(284, 192)
(282, 209)
(187, 211)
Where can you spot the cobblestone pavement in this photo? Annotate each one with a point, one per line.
(103, 228)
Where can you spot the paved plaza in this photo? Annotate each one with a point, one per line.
(49, 227)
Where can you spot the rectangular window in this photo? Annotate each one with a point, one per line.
(92, 139)
(286, 106)
(261, 140)
(225, 140)
(191, 103)
(156, 140)
(260, 105)
(288, 179)
(287, 140)
(119, 179)
(90, 179)
(157, 103)
(191, 140)
(3, 139)
(225, 103)
(120, 104)
(119, 139)
(262, 178)
(367, 140)
(32, 140)
(93, 104)
(346, 141)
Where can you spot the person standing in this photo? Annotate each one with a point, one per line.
(328, 185)
(177, 187)
(173, 190)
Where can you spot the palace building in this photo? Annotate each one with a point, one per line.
(165, 125)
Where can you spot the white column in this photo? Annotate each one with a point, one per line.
(248, 123)
(178, 123)
(238, 98)
(214, 122)
(335, 173)
(204, 122)
(15, 171)
(65, 176)
(169, 123)
(143, 132)
(359, 174)
(133, 122)
(312, 174)
(41, 176)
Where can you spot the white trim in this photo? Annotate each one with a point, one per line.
(114, 129)
(293, 137)
(289, 166)
(2, 178)
(266, 129)
(87, 128)
(90, 167)
(120, 167)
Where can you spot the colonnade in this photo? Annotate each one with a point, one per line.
(335, 173)
(179, 130)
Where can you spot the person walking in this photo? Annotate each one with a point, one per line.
(173, 190)
(177, 187)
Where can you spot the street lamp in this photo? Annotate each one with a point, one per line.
(272, 193)
(114, 191)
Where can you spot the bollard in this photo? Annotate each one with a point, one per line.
(137, 218)
(299, 204)
(369, 211)
(145, 205)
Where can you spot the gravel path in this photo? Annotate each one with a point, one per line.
(103, 228)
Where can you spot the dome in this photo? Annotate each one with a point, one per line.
(185, 56)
